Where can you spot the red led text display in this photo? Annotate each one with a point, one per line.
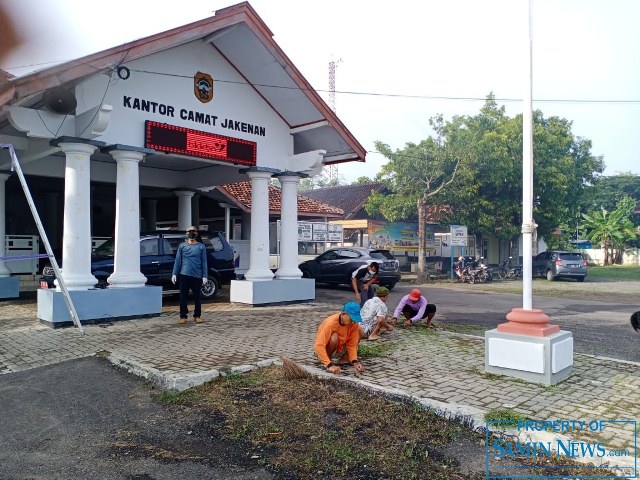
(185, 141)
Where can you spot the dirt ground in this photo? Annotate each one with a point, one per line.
(85, 419)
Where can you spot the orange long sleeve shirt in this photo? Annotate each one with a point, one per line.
(347, 335)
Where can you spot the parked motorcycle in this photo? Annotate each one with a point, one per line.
(508, 271)
(486, 272)
(474, 271)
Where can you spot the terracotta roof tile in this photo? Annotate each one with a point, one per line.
(241, 194)
(350, 198)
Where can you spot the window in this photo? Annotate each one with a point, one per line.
(174, 243)
(149, 246)
(213, 244)
(330, 255)
(166, 247)
(382, 255)
(348, 254)
(572, 257)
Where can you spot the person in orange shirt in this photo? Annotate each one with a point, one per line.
(340, 334)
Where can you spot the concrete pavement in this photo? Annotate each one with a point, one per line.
(440, 369)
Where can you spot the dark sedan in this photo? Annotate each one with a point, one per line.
(157, 256)
(336, 265)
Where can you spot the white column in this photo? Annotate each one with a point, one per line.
(126, 266)
(195, 211)
(289, 228)
(184, 209)
(149, 212)
(76, 232)
(4, 271)
(259, 243)
(227, 220)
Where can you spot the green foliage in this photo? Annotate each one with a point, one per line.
(611, 230)
(606, 192)
(320, 181)
(505, 417)
(371, 350)
(486, 195)
(362, 181)
(560, 238)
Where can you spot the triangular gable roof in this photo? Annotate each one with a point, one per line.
(241, 36)
(350, 198)
(239, 194)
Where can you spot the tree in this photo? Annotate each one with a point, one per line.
(611, 230)
(362, 181)
(485, 152)
(320, 181)
(416, 174)
(607, 192)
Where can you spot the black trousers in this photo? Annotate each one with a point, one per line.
(410, 312)
(194, 284)
(365, 294)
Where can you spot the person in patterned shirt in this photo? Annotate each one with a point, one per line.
(374, 315)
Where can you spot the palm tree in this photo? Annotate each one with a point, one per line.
(610, 230)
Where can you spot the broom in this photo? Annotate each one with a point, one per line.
(293, 371)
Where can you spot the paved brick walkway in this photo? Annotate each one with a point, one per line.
(441, 369)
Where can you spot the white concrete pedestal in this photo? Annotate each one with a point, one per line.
(547, 360)
(99, 304)
(9, 287)
(272, 291)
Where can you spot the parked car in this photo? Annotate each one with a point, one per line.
(560, 264)
(157, 255)
(336, 265)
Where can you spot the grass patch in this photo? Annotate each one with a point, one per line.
(371, 350)
(465, 328)
(505, 416)
(614, 272)
(311, 425)
(325, 429)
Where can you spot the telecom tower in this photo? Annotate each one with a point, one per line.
(332, 170)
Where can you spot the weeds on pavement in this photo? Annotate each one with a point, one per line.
(325, 429)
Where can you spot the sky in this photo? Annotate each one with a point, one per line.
(401, 63)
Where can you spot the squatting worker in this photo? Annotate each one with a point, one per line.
(414, 307)
(190, 271)
(362, 280)
(374, 315)
(339, 334)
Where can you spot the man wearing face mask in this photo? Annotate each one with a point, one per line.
(190, 271)
(362, 280)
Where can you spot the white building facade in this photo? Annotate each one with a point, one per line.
(213, 102)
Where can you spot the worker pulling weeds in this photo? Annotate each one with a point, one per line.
(339, 335)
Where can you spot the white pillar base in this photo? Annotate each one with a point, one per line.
(9, 287)
(99, 304)
(546, 360)
(77, 281)
(126, 280)
(273, 292)
(288, 273)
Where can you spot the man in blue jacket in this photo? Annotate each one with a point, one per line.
(190, 271)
